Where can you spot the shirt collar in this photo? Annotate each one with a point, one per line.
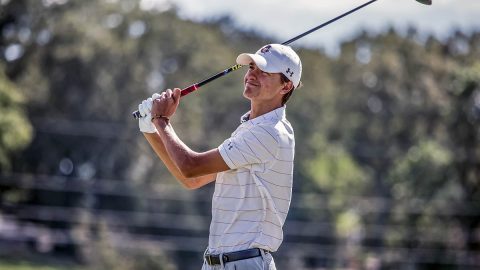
(275, 115)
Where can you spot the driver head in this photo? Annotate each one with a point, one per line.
(425, 2)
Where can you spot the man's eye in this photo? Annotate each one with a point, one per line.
(250, 66)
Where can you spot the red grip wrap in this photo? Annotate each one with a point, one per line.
(189, 89)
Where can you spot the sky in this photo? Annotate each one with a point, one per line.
(284, 19)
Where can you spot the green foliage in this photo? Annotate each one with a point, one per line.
(15, 129)
(348, 224)
(387, 132)
(421, 172)
(335, 172)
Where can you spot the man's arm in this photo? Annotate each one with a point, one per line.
(189, 183)
(189, 163)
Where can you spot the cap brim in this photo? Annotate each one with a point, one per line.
(247, 58)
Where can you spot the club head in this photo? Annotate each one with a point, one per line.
(425, 2)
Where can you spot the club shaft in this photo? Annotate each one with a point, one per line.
(194, 87)
(327, 23)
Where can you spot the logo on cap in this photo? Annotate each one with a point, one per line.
(289, 72)
(266, 49)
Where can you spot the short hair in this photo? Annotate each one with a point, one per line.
(287, 96)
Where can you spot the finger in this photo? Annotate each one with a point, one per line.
(169, 93)
(149, 104)
(177, 93)
(141, 109)
(146, 107)
(155, 104)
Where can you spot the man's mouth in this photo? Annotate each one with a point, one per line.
(251, 83)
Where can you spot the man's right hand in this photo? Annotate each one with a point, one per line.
(145, 121)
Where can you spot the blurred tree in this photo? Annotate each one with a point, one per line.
(464, 122)
(15, 129)
(387, 132)
(15, 134)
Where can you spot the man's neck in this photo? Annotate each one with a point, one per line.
(257, 109)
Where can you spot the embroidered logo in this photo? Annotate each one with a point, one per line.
(266, 49)
(289, 72)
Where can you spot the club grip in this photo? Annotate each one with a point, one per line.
(184, 92)
(189, 90)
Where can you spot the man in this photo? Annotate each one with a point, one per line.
(253, 168)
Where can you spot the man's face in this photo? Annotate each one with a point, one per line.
(262, 86)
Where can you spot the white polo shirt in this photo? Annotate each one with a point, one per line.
(251, 200)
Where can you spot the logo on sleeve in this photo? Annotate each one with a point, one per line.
(230, 146)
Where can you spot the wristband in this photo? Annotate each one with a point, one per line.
(157, 116)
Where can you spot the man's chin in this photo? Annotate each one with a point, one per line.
(249, 91)
(246, 92)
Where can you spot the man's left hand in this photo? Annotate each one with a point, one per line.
(167, 103)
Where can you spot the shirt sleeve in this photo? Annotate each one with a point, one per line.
(258, 144)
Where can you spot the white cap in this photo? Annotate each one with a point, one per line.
(275, 58)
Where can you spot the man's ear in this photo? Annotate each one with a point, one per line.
(287, 87)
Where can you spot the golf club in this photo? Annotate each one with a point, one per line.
(195, 86)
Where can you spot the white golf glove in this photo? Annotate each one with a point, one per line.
(145, 108)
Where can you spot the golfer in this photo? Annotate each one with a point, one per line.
(252, 170)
